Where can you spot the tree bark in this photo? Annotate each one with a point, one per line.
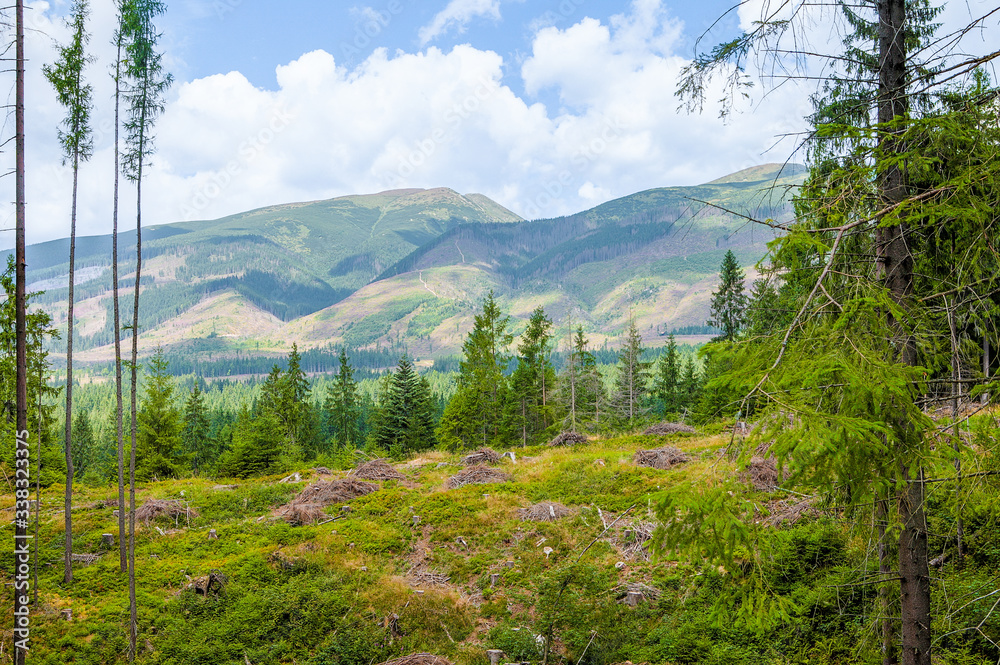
(119, 401)
(986, 366)
(895, 265)
(889, 646)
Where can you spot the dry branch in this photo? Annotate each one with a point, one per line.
(546, 511)
(662, 458)
(481, 456)
(377, 469)
(568, 439)
(477, 475)
(171, 508)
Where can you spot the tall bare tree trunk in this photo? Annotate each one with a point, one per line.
(68, 507)
(956, 393)
(119, 402)
(986, 366)
(20, 319)
(895, 264)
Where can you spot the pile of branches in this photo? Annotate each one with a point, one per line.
(546, 511)
(787, 512)
(338, 491)
(648, 592)
(568, 439)
(418, 659)
(154, 508)
(762, 473)
(377, 469)
(85, 559)
(662, 458)
(634, 540)
(477, 475)
(670, 428)
(301, 513)
(428, 578)
(481, 456)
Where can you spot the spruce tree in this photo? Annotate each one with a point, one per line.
(66, 76)
(474, 415)
(196, 436)
(633, 376)
(159, 425)
(667, 382)
(530, 411)
(406, 422)
(729, 302)
(83, 445)
(343, 407)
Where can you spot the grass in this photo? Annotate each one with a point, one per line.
(351, 591)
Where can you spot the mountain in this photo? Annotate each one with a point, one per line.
(409, 268)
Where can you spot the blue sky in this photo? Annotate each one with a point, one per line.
(548, 107)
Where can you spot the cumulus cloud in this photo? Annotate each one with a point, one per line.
(457, 15)
(438, 117)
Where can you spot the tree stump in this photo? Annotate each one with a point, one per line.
(212, 535)
(108, 539)
(67, 615)
(494, 655)
(494, 578)
(416, 520)
(633, 598)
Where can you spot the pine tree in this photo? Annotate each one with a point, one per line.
(729, 302)
(66, 76)
(159, 425)
(667, 382)
(196, 436)
(343, 407)
(633, 377)
(474, 415)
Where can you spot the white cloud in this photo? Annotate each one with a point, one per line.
(457, 15)
(428, 119)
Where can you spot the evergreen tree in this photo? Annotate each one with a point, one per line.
(196, 436)
(474, 415)
(159, 425)
(406, 422)
(633, 377)
(729, 302)
(689, 386)
(256, 447)
(530, 411)
(67, 78)
(667, 382)
(82, 444)
(343, 407)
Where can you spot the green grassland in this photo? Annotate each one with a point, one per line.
(415, 566)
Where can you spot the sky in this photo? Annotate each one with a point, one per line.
(549, 107)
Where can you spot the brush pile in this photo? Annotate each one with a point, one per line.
(477, 475)
(299, 514)
(634, 541)
(788, 512)
(481, 456)
(546, 511)
(418, 659)
(338, 491)
(307, 506)
(171, 508)
(666, 457)
(762, 473)
(663, 429)
(568, 439)
(377, 469)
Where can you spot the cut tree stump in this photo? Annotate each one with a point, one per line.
(108, 539)
(494, 655)
(633, 598)
(212, 535)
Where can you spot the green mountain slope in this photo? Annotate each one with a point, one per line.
(654, 255)
(287, 260)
